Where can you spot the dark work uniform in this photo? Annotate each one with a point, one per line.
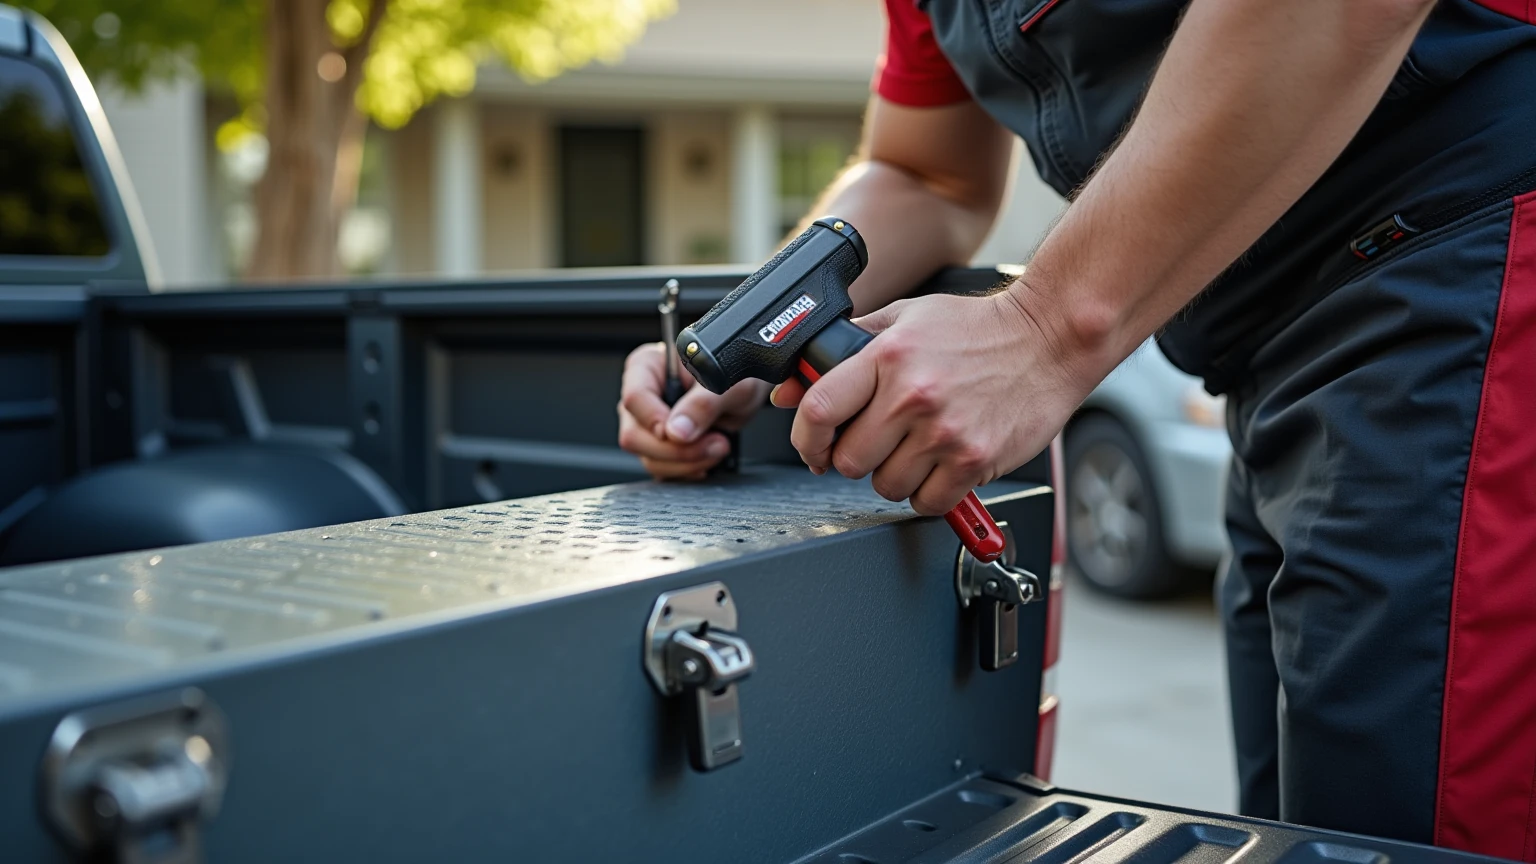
(1378, 350)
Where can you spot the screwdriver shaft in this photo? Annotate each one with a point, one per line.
(669, 326)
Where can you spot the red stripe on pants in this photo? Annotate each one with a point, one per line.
(1487, 783)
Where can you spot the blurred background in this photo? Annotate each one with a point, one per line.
(706, 134)
(303, 140)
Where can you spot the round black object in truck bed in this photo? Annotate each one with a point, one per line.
(193, 496)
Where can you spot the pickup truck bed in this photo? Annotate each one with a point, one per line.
(991, 819)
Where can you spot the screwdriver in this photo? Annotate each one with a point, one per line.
(672, 389)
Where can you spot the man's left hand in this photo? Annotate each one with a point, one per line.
(953, 392)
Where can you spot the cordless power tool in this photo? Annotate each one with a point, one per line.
(792, 317)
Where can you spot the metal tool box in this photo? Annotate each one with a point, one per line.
(474, 685)
(769, 668)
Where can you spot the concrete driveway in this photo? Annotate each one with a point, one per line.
(1143, 701)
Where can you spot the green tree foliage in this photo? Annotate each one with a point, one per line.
(307, 72)
(426, 48)
(136, 42)
(423, 48)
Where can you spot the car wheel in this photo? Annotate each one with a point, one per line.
(1114, 523)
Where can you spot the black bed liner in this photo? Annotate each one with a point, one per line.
(991, 819)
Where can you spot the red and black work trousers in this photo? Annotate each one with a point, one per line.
(1380, 598)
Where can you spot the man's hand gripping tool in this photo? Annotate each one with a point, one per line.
(792, 317)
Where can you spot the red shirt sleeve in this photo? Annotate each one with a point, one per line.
(913, 71)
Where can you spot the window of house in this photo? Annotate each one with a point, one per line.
(812, 151)
(47, 205)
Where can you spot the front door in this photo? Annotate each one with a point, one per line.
(601, 196)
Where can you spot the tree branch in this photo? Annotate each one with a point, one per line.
(357, 52)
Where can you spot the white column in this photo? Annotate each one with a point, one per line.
(456, 187)
(754, 185)
(160, 133)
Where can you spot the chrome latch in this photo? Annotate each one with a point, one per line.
(692, 650)
(133, 782)
(997, 590)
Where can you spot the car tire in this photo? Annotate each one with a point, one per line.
(1114, 522)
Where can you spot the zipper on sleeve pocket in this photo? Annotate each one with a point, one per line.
(1385, 233)
(1382, 237)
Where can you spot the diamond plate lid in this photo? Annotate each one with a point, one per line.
(115, 617)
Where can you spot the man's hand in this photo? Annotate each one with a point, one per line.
(953, 392)
(676, 442)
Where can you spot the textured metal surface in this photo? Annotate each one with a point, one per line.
(102, 619)
(505, 713)
(982, 820)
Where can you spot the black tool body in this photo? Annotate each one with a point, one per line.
(791, 316)
(840, 340)
(761, 329)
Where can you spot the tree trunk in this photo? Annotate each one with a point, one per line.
(314, 137)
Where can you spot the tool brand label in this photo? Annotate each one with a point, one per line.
(785, 321)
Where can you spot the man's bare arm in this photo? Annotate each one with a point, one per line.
(1252, 102)
(924, 192)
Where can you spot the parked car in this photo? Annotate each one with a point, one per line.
(1146, 461)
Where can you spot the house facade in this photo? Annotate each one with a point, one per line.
(704, 145)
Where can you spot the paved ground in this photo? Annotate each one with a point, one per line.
(1143, 711)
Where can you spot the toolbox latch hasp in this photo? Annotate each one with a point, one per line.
(134, 781)
(996, 590)
(692, 651)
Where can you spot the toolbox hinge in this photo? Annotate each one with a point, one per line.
(691, 650)
(996, 590)
(133, 782)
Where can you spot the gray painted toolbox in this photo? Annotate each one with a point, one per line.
(472, 684)
(482, 685)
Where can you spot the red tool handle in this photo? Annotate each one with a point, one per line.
(975, 527)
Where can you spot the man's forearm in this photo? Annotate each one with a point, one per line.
(915, 214)
(911, 231)
(1252, 102)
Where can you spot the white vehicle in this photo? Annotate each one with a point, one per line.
(1146, 468)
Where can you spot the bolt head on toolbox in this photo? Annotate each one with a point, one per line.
(760, 329)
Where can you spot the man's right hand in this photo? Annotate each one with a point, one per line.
(924, 196)
(680, 442)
